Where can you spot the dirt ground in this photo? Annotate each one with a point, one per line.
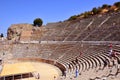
(46, 71)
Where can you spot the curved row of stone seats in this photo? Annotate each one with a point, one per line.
(97, 62)
(84, 27)
(33, 50)
(96, 23)
(113, 71)
(74, 64)
(97, 71)
(115, 30)
(82, 70)
(94, 28)
(71, 66)
(94, 61)
(60, 51)
(85, 61)
(76, 29)
(70, 63)
(53, 31)
(105, 54)
(43, 33)
(118, 59)
(116, 48)
(67, 30)
(68, 66)
(101, 59)
(71, 53)
(94, 72)
(21, 50)
(107, 57)
(46, 50)
(114, 74)
(70, 56)
(103, 30)
(93, 56)
(106, 31)
(104, 62)
(68, 60)
(89, 63)
(105, 34)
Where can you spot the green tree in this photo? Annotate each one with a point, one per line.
(1, 35)
(95, 10)
(38, 22)
(105, 6)
(87, 14)
(117, 4)
(72, 18)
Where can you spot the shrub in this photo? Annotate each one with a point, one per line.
(117, 4)
(105, 6)
(1, 35)
(73, 17)
(38, 22)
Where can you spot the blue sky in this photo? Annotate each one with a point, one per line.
(25, 11)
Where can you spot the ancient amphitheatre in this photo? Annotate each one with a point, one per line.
(57, 50)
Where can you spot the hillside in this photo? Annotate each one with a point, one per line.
(99, 24)
(100, 27)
